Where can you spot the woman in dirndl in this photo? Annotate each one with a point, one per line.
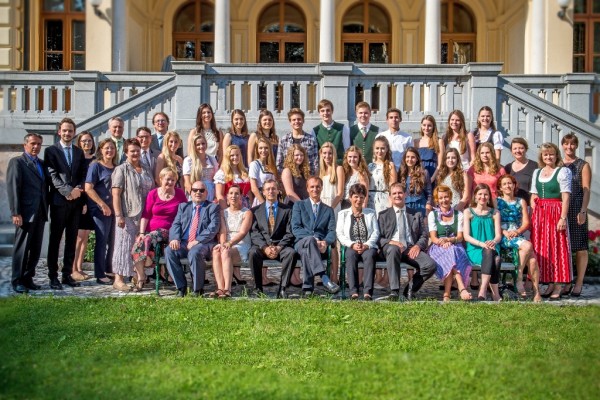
(550, 192)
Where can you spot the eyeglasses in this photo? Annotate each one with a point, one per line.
(195, 190)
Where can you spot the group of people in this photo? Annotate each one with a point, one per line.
(440, 203)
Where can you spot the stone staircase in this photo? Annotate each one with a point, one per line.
(7, 239)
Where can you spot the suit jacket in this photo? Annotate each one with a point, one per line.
(208, 227)
(305, 224)
(282, 233)
(62, 177)
(418, 230)
(27, 190)
(343, 227)
(152, 155)
(157, 149)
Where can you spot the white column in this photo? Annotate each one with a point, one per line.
(222, 28)
(327, 33)
(433, 36)
(537, 60)
(119, 36)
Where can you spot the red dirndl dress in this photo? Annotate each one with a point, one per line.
(552, 247)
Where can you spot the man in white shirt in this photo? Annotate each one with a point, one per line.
(330, 131)
(399, 141)
(116, 127)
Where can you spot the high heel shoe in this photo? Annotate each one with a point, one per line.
(239, 281)
(548, 292)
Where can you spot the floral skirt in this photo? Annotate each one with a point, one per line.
(146, 248)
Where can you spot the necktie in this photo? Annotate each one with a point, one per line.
(401, 227)
(315, 210)
(160, 141)
(194, 227)
(363, 130)
(68, 149)
(145, 160)
(271, 219)
(38, 165)
(120, 148)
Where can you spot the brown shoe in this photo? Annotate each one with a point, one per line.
(78, 276)
(121, 287)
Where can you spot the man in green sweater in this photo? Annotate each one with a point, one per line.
(330, 131)
(362, 135)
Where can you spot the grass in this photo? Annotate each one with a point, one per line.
(168, 348)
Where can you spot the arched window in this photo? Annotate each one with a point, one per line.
(63, 35)
(194, 31)
(458, 33)
(281, 36)
(586, 36)
(366, 34)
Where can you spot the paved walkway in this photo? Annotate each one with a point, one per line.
(89, 288)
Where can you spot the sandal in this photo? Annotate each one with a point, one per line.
(521, 290)
(446, 298)
(225, 294)
(467, 297)
(367, 297)
(354, 296)
(548, 291)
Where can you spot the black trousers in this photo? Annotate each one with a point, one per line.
(287, 257)
(63, 219)
(28, 245)
(490, 265)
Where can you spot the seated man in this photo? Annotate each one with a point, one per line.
(192, 235)
(404, 237)
(313, 225)
(271, 237)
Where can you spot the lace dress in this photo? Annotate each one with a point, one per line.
(234, 220)
(456, 195)
(378, 191)
(354, 178)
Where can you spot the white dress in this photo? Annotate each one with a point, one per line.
(465, 159)
(378, 191)
(234, 222)
(208, 173)
(257, 171)
(328, 194)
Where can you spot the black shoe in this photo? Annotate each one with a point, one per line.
(238, 281)
(307, 294)
(198, 293)
(101, 282)
(181, 292)
(576, 294)
(282, 294)
(55, 284)
(270, 284)
(331, 287)
(394, 295)
(67, 280)
(20, 288)
(408, 292)
(299, 285)
(31, 286)
(417, 282)
(259, 294)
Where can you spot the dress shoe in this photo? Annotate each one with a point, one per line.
(19, 288)
(331, 287)
(101, 282)
(67, 280)
(282, 294)
(181, 292)
(394, 295)
(408, 292)
(307, 294)
(55, 284)
(198, 293)
(238, 281)
(31, 286)
(367, 297)
(417, 282)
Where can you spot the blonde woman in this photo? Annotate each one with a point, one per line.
(486, 168)
(232, 171)
(295, 173)
(355, 171)
(199, 166)
(168, 158)
(262, 168)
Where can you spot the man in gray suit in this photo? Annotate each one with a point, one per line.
(27, 191)
(148, 155)
(192, 235)
(313, 226)
(404, 237)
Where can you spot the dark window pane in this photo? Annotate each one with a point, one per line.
(596, 37)
(78, 61)
(579, 64)
(295, 96)
(580, 6)
(293, 28)
(378, 53)
(463, 53)
(353, 52)
(185, 50)
(354, 20)
(54, 5)
(207, 17)
(78, 5)
(207, 51)
(444, 57)
(78, 39)
(463, 20)
(359, 94)
(269, 52)
(378, 20)
(579, 37)
(54, 35)
(54, 62)
(375, 98)
(262, 96)
(353, 28)
(444, 18)
(185, 20)
(294, 52)
(596, 7)
(596, 65)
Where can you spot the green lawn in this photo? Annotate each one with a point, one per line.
(169, 348)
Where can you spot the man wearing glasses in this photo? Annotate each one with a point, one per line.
(148, 155)
(192, 235)
(160, 120)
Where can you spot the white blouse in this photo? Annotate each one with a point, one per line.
(564, 179)
(433, 228)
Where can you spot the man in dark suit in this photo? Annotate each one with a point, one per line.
(404, 237)
(313, 226)
(148, 155)
(192, 235)
(28, 200)
(160, 121)
(271, 237)
(65, 168)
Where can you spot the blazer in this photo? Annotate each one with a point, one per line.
(157, 149)
(63, 179)
(282, 233)
(343, 227)
(305, 224)
(152, 155)
(27, 190)
(208, 227)
(418, 229)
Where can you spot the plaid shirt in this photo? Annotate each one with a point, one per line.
(309, 142)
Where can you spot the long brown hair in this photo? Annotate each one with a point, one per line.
(462, 133)
(478, 164)
(482, 186)
(213, 122)
(387, 160)
(416, 173)
(362, 164)
(457, 174)
(304, 169)
(434, 140)
(259, 131)
(270, 165)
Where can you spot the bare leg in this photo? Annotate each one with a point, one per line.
(229, 258)
(581, 261)
(447, 287)
(141, 275)
(524, 254)
(295, 279)
(217, 266)
(80, 248)
(464, 293)
(495, 291)
(534, 271)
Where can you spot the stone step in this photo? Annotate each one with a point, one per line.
(6, 250)
(7, 233)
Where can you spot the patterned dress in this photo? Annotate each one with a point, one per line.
(577, 233)
(552, 247)
(511, 217)
(378, 191)
(456, 195)
(234, 221)
(352, 179)
(454, 257)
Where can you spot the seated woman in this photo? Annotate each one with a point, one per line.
(514, 220)
(199, 166)
(168, 158)
(232, 172)
(158, 216)
(483, 235)
(234, 241)
(295, 173)
(445, 231)
(358, 231)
